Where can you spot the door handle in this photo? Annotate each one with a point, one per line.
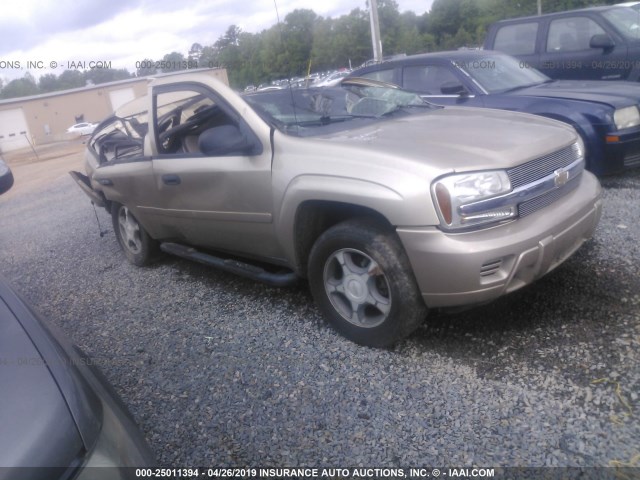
(171, 179)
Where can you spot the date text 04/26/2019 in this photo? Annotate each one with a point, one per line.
(250, 473)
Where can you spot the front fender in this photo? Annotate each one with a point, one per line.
(410, 208)
(592, 138)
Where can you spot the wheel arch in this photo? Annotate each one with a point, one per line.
(313, 217)
(316, 202)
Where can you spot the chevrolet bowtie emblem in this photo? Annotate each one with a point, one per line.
(560, 177)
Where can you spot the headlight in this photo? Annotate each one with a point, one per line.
(626, 117)
(578, 147)
(454, 191)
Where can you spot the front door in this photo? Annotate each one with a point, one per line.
(569, 55)
(209, 193)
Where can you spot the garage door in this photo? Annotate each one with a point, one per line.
(120, 97)
(13, 130)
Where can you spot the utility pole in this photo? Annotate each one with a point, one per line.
(539, 7)
(375, 31)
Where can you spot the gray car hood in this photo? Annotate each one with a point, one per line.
(37, 427)
(455, 138)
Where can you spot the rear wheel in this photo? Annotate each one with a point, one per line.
(362, 281)
(138, 246)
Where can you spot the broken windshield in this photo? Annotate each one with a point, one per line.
(302, 111)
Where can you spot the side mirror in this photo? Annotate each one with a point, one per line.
(224, 140)
(453, 88)
(601, 40)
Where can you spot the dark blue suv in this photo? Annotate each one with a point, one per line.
(605, 114)
(600, 43)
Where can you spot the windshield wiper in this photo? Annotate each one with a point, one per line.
(398, 108)
(327, 120)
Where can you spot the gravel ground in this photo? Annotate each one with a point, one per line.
(223, 371)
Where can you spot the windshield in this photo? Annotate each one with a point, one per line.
(315, 111)
(625, 20)
(501, 73)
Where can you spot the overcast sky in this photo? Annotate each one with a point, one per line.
(122, 32)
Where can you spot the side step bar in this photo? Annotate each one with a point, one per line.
(242, 269)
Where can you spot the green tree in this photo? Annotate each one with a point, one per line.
(228, 53)
(173, 62)
(251, 68)
(410, 41)
(352, 39)
(322, 54)
(272, 56)
(104, 75)
(147, 67)
(230, 38)
(194, 53)
(20, 87)
(71, 79)
(209, 57)
(48, 83)
(448, 17)
(298, 36)
(391, 26)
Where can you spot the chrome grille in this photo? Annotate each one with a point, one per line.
(541, 167)
(548, 198)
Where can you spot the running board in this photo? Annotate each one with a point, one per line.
(242, 269)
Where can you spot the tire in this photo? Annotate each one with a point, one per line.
(137, 245)
(362, 281)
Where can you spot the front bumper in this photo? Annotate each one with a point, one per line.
(476, 267)
(621, 152)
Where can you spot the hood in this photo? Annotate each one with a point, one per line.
(49, 415)
(37, 427)
(459, 139)
(615, 94)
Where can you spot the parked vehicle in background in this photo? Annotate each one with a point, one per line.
(6, 177)
(605, 114)
(634, 5)
(386, 203)
(599, 43)
(83, 128)
(269, 88)
(59, 417)
(332, 79)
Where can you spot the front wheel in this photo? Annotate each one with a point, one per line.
(362, 282)
(137, 245)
